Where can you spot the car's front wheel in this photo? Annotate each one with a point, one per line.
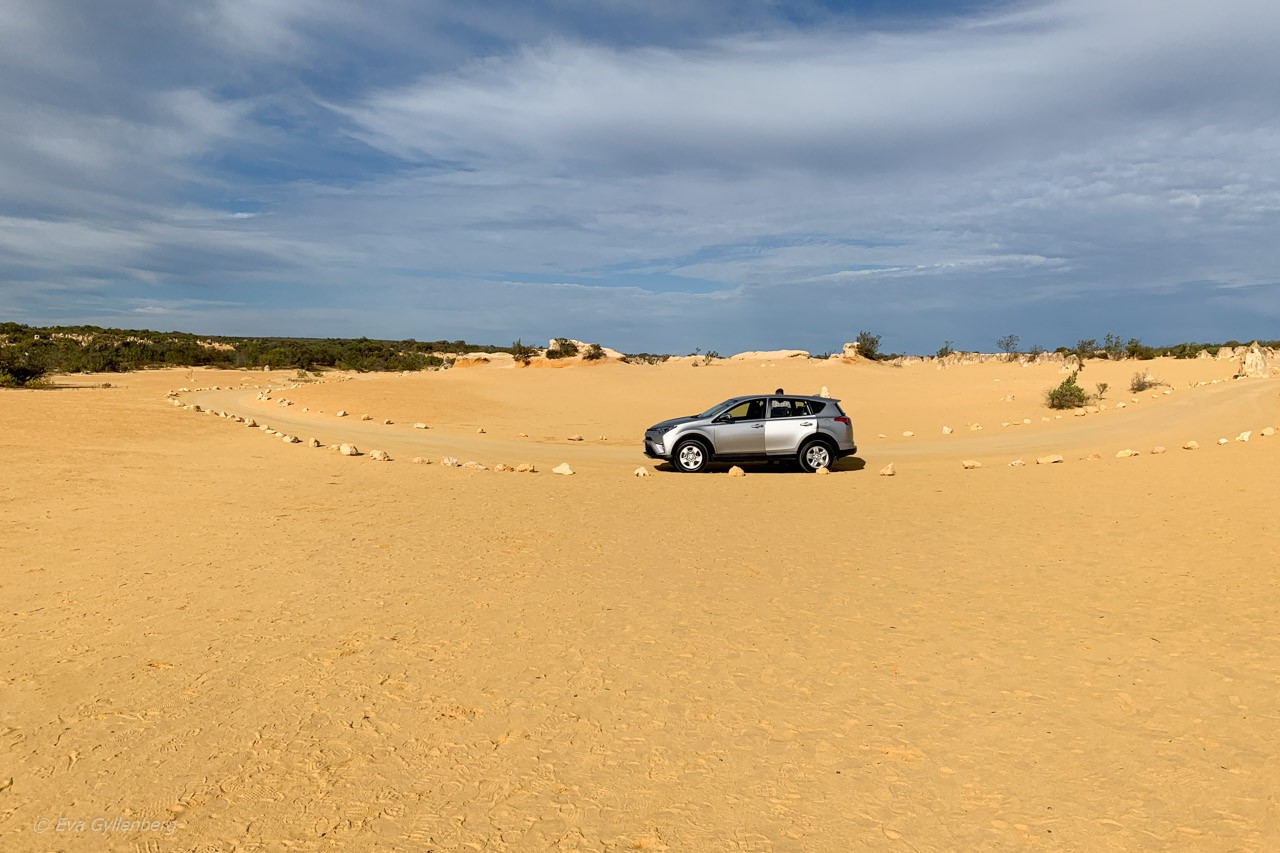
(691, 456)
(814, 454)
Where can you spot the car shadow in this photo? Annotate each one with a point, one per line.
(848, 464)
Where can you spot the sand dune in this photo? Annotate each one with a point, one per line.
(265, 646)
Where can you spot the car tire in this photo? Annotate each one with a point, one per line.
(814, 454)
(691, 456)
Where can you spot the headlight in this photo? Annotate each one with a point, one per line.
(663, 430)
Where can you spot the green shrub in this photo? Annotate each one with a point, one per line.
(1068, 395)
(594, 352)
(868, 345)
(564, 348)
(521, 353)
(946, 349)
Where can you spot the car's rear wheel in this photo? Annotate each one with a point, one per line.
(691, 456)
(814, 454)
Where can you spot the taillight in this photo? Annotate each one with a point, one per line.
(844, 421)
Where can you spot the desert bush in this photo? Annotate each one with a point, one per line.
(594, 352)
(1068, 395)
(946, 349)
(868, 344)
(1035, 352)
(1009, 346)
(564, 348)
(1102, 389)
(1143, 381)
(1112, 347)
(521, 353)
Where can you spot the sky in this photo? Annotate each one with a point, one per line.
(654, 175)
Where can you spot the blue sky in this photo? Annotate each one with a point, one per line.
(652, 174)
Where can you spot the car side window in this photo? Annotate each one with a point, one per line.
(783, 407)
(751, 410)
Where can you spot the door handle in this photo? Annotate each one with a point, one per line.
(807, 423)
(757, 426)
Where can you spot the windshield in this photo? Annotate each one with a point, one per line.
(717, 407)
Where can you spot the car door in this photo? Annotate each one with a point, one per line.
(790, 422)
(740, 430)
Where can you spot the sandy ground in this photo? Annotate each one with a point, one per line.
(215, 641)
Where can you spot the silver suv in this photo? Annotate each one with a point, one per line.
(813, 431)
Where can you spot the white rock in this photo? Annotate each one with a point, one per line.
(1052, 459)
(342, 413)
(1222, 441)
(575, 437)
(503, 468)
(1191, 445)
(975, 427)
(946, 430)
(1157, 450)
(379, 456)
(291, 439)
(313, 442)
(735, 471)
(1267, 431)
(907, 434)
(1026, 420)
(1126, 454)
(366, 417)
(824, 392)
(349, 450)
(1245, 436)
(419, 425)
(251, 423)
(970, 464)
(474, 466)
(388, 422)
(602, 438)
(641, 472)
(888, 471)
(562, 468)
(449, 461)
(1120, 405)
(421, 460)
(823, 469)
(1017, 463)
(526, 468)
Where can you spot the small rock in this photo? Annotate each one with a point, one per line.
(251, 423)
(348, 450)
(419, 425)
(366, 417)
(1191, 445)
(602, 438)
(907, 434)
(641, 472)
(1157, 450)
(292, 439)
(1091, 410)
(502, 468)
(522, 435)
(735, 471)
(1126, 454)
(970, 464)
(1004, 423)
(474, 466)
(575, 437)
(824, 392)
(1120, 405)
(1026, 420)
(1267, 431)
(1222, 441)
(822, 470)
(888, 471)
(526, 468)
(449, 461)
(974, 427)
(882, 435)
(388, 422)
(480, 431)
(342, 413)
(421, 460)
(313, 442)
(379, 456)
(1052, 459)
(1245, 436)
(1017, 463)
(562, 468)
(946, 430)
(1093, 457)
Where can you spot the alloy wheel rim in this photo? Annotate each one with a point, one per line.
(817, 457)
(691, 457)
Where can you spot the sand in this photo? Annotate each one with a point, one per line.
(220, 641)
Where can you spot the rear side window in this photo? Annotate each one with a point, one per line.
(788, 407)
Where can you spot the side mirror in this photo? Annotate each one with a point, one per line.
(722, 419)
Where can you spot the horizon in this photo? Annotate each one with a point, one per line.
(730, 176)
